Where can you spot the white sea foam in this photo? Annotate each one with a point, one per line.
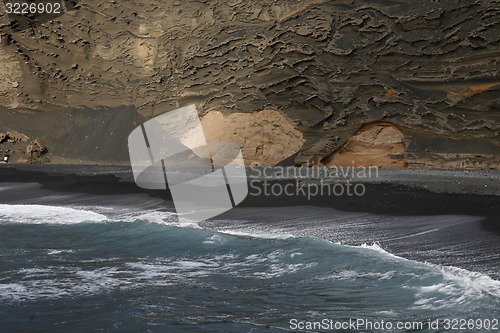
(150, 216)
(475, 283)
(261, 235)
(153, 216)
(456, 285)
(56, 252)
(41, 214)
(376, 247)
(46, 214)
(215, 239)
(48, 283)
(353, 275)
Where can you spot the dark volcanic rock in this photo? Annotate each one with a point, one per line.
(429, 67)
(15, 145)
(35, 149)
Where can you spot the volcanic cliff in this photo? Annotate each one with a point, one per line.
(394, 83)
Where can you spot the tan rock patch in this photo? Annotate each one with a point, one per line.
(376, 144)
(474, 89)
(265, 137)
(10, 76)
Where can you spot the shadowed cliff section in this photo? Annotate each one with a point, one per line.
(73, 136)
(430, 68)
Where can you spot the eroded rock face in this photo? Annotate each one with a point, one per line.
(429, 67)
(13, 137)
(15, 145)
(10, 74)
(35, 149)
(17, 137)
(379, 144)
(265, 137)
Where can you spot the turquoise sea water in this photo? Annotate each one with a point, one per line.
(93, 268)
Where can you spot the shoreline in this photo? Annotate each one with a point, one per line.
(409, 221)
(456, 181)
(394, 192)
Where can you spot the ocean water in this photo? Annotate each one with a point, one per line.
(97, 268)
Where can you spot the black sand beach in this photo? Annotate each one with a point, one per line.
(399, 213)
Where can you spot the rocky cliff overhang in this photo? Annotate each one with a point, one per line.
(430, 68)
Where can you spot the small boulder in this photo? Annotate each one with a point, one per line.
(35, 149)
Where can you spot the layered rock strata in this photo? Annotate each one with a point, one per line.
(430, 68)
